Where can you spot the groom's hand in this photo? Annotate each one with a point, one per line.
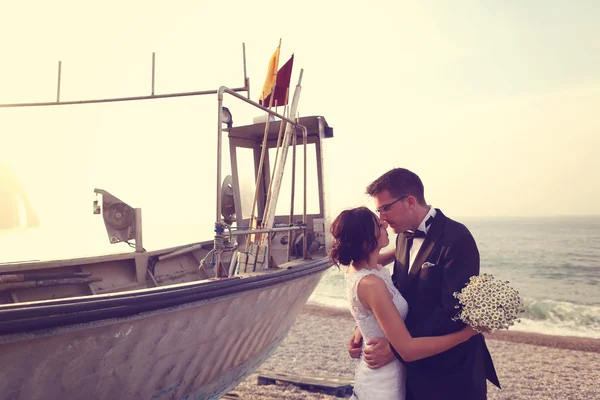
(355, 344)
(377, 353)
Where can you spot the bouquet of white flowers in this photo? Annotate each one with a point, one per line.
(487, 303)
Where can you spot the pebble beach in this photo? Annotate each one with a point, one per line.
(529, 366)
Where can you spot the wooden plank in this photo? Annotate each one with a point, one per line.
(338, 387)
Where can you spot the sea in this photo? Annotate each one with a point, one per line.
(554, 263)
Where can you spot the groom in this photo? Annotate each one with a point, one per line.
(434, 257)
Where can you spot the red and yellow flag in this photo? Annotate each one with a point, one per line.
(282, 84)
(271, 78)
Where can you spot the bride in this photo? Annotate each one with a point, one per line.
(377, 306)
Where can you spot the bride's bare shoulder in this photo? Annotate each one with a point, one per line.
(371, 282)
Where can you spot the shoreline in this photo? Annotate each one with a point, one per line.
(536, 339)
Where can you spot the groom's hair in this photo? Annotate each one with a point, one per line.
(399, 182)
(355, 235)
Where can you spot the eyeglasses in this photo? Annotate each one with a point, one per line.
(384, 208)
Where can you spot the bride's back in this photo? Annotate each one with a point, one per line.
(365, 319)
(387, 382)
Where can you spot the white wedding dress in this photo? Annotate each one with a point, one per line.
(389, 381)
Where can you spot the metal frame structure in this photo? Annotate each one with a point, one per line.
(220, 95)
(245, 88)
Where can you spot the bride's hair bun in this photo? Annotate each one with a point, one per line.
(355, 235)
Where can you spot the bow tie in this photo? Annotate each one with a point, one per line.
(418, 234)
(414, 234)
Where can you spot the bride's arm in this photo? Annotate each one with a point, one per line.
(374, 294)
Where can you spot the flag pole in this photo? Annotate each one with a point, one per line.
(279, 137)
(289, 131)
(253, 218)
(292, 233)
(305, 242)
(263, 150)
(246, 80)
(286, 81)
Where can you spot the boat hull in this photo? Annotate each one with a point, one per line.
(195, 350)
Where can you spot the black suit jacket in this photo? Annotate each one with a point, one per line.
(461, 372)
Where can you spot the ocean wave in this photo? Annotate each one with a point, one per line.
(552, 317)
(562, 312)
(556, 329)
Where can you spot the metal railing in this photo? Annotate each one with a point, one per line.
(58, 102)
(222, 91)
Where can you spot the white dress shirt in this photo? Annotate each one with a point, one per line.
(418, 242)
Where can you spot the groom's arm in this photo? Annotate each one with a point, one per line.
(462, 262)
(386, 257)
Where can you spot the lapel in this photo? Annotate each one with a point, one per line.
(400, 268)
(433, 236)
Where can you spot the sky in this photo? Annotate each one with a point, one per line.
(493, 104)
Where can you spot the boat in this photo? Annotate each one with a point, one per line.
(184, 322)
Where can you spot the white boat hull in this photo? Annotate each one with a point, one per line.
(198, 350)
